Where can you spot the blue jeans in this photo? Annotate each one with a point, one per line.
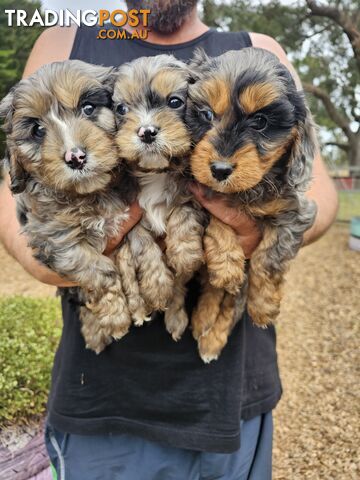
(126, 457)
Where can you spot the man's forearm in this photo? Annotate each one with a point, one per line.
(16, 244)
(323, 193)
(18, 249)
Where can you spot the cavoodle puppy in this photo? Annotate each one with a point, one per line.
(71, 194)
(150, 99)
(255, 144)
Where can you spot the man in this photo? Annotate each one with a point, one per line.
(147, 408)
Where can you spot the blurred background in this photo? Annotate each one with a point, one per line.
(317, 421)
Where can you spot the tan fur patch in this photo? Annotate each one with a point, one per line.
(258, 96)
(217, 93)
(32, 104)
(273, 208)
(167, 82)
(126, 89)
(249, 166)
(224, 256)
(208, 308)
(214, 340)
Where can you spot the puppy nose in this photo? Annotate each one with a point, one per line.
(75, 158)
(221, 171)
(148, 133)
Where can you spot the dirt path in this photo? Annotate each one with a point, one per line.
(15, 281)
(317, 421)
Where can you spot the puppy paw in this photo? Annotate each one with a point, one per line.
(112, 312)
(157, 289)
(264, 296)
(224, 257)
(176, 322)
(185, 259)
(184, 245)
(138, 311)
(96, 338)
(207, 310)
(263, 315)
(126, 266)
(210, 346)
(98, 346)
(229, 279)
(212, 342)
(139, 322)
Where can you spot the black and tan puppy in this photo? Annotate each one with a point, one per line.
(64, 170)
(150, 99)
(255, 144)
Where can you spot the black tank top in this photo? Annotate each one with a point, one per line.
(146, 384)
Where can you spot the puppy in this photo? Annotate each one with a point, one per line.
(255, 144)
(150, 99)
(65, 172)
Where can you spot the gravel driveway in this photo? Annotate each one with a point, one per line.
(317, 421)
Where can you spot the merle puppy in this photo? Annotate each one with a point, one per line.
(70, 191)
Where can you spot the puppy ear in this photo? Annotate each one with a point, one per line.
(198, 63)
(199, 58)
(109, 78)
(18, 175)
(105, 75)
(303, 152)
(7, 110)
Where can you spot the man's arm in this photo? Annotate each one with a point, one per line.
(53, 45)
(16, 244)
(322, 189)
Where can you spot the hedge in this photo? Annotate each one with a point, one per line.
(29, 333)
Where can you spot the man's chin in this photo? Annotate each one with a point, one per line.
(166, 16)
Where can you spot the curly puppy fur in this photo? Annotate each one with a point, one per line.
(65, 172)
(150, 101)
(255, 144)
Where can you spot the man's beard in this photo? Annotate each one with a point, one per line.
(167, 16)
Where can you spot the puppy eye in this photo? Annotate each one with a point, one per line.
(88, 109)
(175, 102)
(259, 122)
(207, 115)
(122, 109)
(38, 131)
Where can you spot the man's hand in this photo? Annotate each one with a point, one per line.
(245, 227)
(135, 214)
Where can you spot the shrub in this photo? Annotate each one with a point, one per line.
(29, 332)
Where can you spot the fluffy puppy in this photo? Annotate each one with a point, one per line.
(65, 172)
(150, 97)
(255, 144)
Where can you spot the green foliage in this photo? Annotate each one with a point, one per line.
(349, 205)
(15, 46)
(30, 330)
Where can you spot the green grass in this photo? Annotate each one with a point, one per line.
(6, 53)
(29, 332)
(349, 205)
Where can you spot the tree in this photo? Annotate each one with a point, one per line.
(347, 119)
(323, 42)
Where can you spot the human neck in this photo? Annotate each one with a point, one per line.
(192, 28)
